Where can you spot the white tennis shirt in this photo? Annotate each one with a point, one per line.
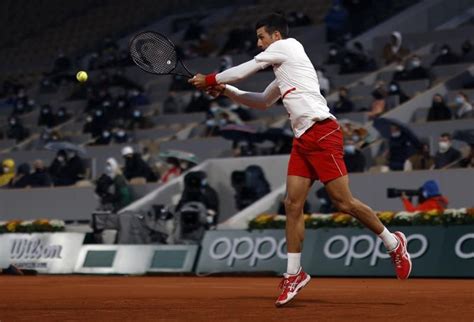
(296, 83)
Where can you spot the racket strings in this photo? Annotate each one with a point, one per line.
(153, 53)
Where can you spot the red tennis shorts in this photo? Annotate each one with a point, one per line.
(318, 153)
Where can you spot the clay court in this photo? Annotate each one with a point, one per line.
(91, 298)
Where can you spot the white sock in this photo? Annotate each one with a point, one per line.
(388, 239)
(294, 263)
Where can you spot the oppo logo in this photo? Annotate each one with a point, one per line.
(243, 248)
(348, 248)
(458, 247)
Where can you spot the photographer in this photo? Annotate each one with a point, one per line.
(429, 198)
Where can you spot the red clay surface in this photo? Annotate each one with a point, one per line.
(118, 298)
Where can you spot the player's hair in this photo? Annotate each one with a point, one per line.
(446, 135)
(274, 22)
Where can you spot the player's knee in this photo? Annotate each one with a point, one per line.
(293, 207)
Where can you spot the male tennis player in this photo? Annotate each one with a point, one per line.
(317, 147)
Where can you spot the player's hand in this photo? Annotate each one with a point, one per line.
(215, 91)
(199, 81)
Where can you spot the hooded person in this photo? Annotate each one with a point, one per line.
(439, 111)
(8, 172)
(112, 187)
(135, 167)
(394, 50)
(59, 170)
(430, 199)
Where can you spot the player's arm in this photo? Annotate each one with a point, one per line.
(260, 101)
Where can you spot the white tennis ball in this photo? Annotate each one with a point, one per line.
(81, 76)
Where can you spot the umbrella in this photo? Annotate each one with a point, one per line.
(383, 126)
(68, 146)
(465, 136)
(237, 132)
(180, 155)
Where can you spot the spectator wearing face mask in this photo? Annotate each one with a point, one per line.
(399, 145)
(104, 139)
(120, 136)
(400, 71)
(421, 160)
(334, 55)
(379, 103)
(8, 172)
(16, 130)
(446, 57)
(446, 154)
(40, 176)
(354, 159)
(463, 106)
(336, 22)
(59, 170)
(199, 103)
(344, 104)
(46, 117)
(394, 50)
(395, 90)
(62, 116)
(468, 161)
(135, 167)
(22, 177)
(438, 111)
(112, 188)
(416, 70)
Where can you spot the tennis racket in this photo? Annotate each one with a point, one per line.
(156, 54)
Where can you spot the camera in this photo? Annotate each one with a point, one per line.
(396, 193)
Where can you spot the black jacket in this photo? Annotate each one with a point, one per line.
(135, 167)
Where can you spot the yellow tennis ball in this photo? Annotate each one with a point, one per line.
(81, 76)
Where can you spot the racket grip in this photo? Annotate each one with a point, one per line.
(211, 79)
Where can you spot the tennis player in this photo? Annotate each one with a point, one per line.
(317, 152)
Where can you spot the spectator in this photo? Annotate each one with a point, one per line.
(463, 106)
(199, 103)
(135, 167)
(399, 145)
(249, 185)
(8, 172)
(353, 157)
(430, 199)
(395, 90)
(22, 177)
(196, 189)
(334, 55)
(421, 160)
(76, 167)
(324, 84)
(16, 130)
(40, 176)
(379, 103)
(172, 104)
(468, 161)
(394, 50)
(59, 171)
(438, 111)
(46, 118)
(336, 22)
(225, 63)
(104, 139)
(173, 171)
(446, 153)
(112, 188)
(62, 116)
(120, 136)
(400, 71)
(446, 57)
(416, 70)
(356, 60)
(344, 104)
(467, 52)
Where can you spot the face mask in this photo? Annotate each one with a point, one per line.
(121, 104)
(109, 171)
(333, 52)
(136, 113)
(222, 122)
(444, 51)
(45, 111)
(183, 165)
(459, 100)
(12, 122)
(400, 68)
(89, 119)
(211, 122)
(214, 109)
(396, 134)
(106, 104)
(121, 133)
(349, 149)
(6, 170)
(322, 201)
(444, 146)
(60, 114)
(415, 63)
(105, 134)
(393, 88)
(98, 113)
(355, 138)
(60, 159)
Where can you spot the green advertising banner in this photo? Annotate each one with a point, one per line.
(435, 251)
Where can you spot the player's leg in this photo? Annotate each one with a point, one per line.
(341, 196)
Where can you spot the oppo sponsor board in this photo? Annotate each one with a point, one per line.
(435, 251)
(53, 253)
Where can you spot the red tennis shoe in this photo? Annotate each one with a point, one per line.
(290, 286)
(400, 257)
